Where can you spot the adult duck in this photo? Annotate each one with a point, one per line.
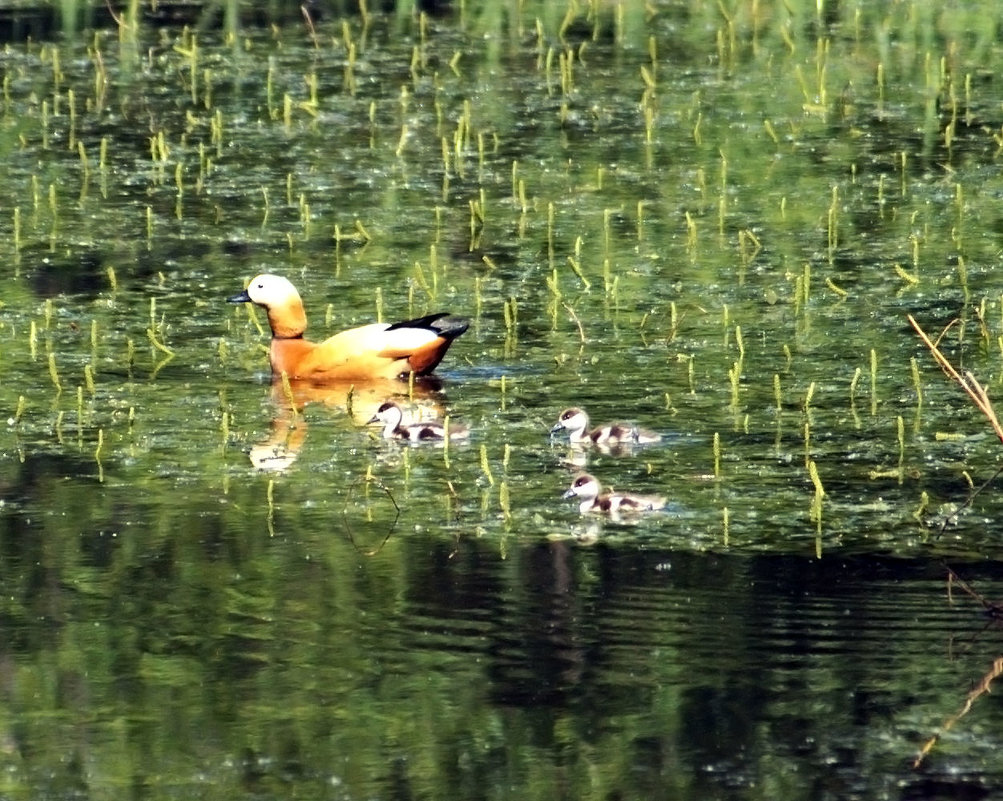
(377, 350)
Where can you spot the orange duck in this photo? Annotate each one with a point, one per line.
(377, 350)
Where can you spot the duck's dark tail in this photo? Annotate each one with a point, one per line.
(442, 324)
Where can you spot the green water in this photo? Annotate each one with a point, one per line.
(710, 221)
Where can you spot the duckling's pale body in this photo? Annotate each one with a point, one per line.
(592, 499)
(576, 421)
(392, 417)
(377, 350)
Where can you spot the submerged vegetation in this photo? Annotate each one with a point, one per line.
(713, 219)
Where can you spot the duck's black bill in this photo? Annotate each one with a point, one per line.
(241, 297)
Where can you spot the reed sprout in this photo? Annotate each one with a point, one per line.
(80, 415)
(900, 434)
(809, 395)
(157, 343)
(963, 279)
(815, 514)
(71, 137)
(880, 81)
(22, 403)
(54, 373)
(874, 382)
(270, 500)
(504, 501)
(550, 233)
(916, 383)
(691, 236)
(841, 293)
(486, 466)
(833, 224)
(510, 310)
(97, 456)
(734, 375)
(45, 125)
(576, 268)
(723, 196)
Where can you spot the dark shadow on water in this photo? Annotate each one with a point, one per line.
(47, 21)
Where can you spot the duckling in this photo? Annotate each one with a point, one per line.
(576, 421)
(377, 350)
(392, 417)
(593, 499)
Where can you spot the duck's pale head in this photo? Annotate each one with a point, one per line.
(585, 487)
(389, 414)
(279, 298)
(269, 291)
(573, 419)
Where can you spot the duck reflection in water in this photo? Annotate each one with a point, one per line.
(359, 399)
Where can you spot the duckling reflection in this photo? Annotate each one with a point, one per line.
(359, 399)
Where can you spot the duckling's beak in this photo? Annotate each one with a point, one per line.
(568, 494)
(557, 427)
(240, 297)
(374, 419)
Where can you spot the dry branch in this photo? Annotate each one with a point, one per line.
(968, 381)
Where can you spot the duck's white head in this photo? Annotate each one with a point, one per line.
(271, 290)
(585, 487)
(279, 298)
(389, 413)
(573, 419)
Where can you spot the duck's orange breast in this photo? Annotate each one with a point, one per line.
(286, 355)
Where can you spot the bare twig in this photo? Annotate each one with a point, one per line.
(117, 19)
(994, 610)
(348, 526)
(574, 317)
(982, 688)
(968, 381)
(979, 395)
